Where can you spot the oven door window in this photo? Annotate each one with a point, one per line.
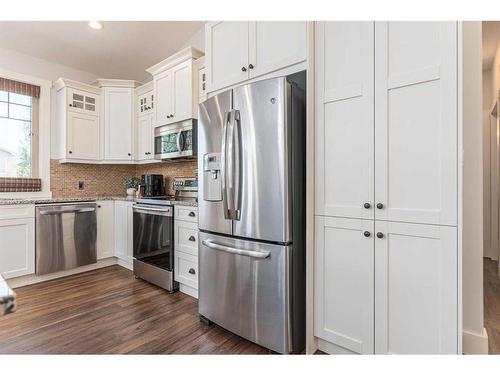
(153, 242)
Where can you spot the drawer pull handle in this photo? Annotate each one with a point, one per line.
(192, 271)
(192, 214)
(192, 238)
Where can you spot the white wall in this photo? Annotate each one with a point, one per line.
(487, 102)
(197, 40)
(474, 338)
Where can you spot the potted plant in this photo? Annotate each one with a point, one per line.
(131, 184)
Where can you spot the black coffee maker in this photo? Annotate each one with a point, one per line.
(152, 185)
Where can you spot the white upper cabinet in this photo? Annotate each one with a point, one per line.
(344, 283)
(241, 50)
(226, 45)
(82, 136)
(202, 79)
(175, 87)
(416, 122)
(118, 117)
(163, 89)
(77, 132)
(345, 119)
(416, 308)
(274, 45)
(145, 103)
(145, 138)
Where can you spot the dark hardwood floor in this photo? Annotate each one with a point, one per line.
(492, 305)
(108, 311)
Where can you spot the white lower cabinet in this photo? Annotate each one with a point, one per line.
(416, 307)
(344, 284)
(17, 241)
(105, 229)
(186, 249)
(124, 230)
(386, 287)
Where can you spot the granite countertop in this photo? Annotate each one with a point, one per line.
(11, 201)
(7, 298)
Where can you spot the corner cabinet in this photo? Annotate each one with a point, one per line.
(77, 132)
(237, 51)
(387, 188)
(175, 87)
(118, 98)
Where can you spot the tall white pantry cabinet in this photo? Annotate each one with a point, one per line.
(386, 253)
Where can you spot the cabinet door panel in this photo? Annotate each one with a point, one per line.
(276, 45)
(145, 137)
(83, 102)
(105, 229)
(182, 92)
(121, 228)
(83, 136)
(17, 247)
(415, 289)
(344, 312)
(163, 92)
(345, 119)
(226, 53)
(416, 122)
(118, 124)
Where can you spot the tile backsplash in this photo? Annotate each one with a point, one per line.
(107, 179)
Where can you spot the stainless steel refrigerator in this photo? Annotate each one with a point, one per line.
(251, 165)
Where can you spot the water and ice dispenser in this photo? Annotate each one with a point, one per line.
(212, 187)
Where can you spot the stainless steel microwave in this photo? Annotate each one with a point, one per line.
(176, 140)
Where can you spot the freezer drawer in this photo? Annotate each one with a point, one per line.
(246, 287)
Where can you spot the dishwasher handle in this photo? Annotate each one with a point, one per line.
(233, 250)
(77, 211)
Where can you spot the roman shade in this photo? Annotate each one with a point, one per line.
(21, 88)
(19, 184)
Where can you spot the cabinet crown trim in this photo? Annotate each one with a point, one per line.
(104, 82)
(177, 58)
(145, 88)
(64, 82)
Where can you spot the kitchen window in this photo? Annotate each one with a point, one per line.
(19, 136)
(18, 141)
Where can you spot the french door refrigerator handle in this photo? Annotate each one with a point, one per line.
(237, 165)
(223, 165)
(232, 250)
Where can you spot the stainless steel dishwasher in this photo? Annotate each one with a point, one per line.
(65, 236)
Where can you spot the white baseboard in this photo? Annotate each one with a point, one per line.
(329, 348)
(188, 290)
(125, 264)
(474, 343)
(17, 282)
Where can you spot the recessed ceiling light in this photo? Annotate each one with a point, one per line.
(95, 25)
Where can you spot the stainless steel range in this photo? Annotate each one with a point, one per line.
(153, 247)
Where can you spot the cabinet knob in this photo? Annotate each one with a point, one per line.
(192, 214)
(366, 233)
(98, 206)
(192, 271)
(380, 235)
(192, 238)
(70, 152)
(250, 66)
(71, 105)
(380, 206)
(129, 154)
(243, 69)
(367, 205)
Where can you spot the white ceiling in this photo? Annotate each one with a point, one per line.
(491, 39)
(121, 49)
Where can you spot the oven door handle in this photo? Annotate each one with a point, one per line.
(178, 141)
(232, 250)
(153, 211)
